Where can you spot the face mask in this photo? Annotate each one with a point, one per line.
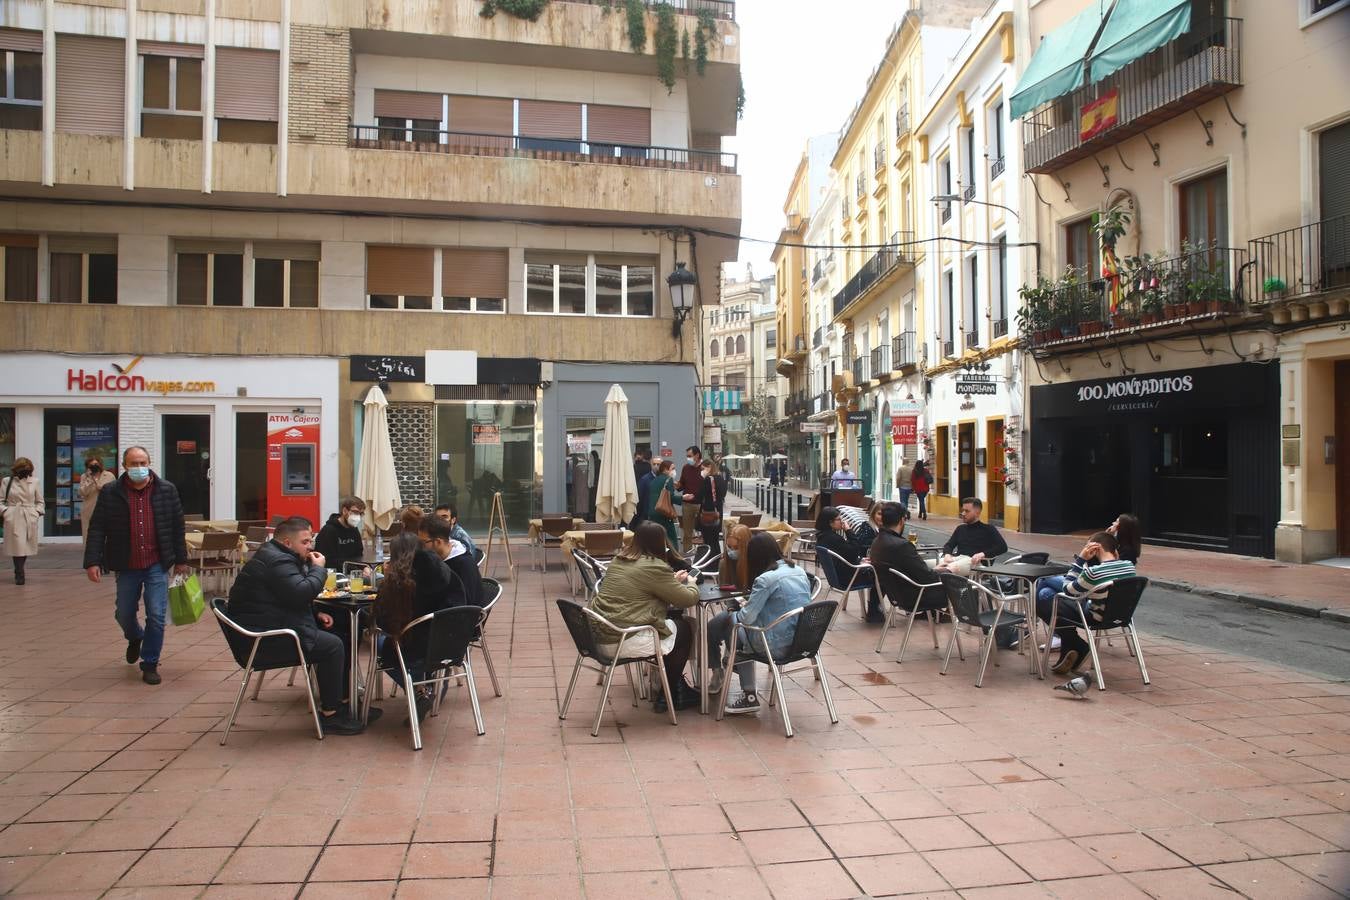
(845, 468)
(138, 474)
(688, 460)
(354, 520)
(733, 555)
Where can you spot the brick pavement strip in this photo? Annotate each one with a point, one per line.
(1226, 776)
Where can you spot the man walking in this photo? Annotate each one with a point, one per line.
(691, 488)
(137, 532)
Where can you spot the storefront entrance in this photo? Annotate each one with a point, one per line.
(585, 443)
(996, 501)
(483, 447)
(965, 479)
(186, 440)
(250, 466)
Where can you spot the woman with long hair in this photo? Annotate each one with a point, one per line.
(21, 507)
(734, 566)
(639, 588)
(1125, 529)
(664, 481)
(415, 583)
(832, 534)
(712, 498)
(919, 482)
(777, 586)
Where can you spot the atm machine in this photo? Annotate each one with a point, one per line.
(293, 466)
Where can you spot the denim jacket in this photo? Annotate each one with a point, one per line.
(458, 533)
(779, 590)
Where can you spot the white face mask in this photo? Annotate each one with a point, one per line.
(688, 460)
(354, 520)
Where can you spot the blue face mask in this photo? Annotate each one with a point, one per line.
(733, 555)
(138, 473)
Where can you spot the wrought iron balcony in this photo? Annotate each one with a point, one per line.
(1205, 282)
(862, 369)
(1180, 75)
(463, 143)
(861, 184)
(948, 348)
(902, 121)
(818, 337)
(879, 157)
(1000, 328)
(1301, 262)
(945, 212)
(903, 350)
(899, 252)
(968, 194)
(972, 341)
(996, 168)
(824, 400)
(881, 360)
(847, 214)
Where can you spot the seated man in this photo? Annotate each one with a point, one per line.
(448, 512)
(467, 585)
(339, 539)
(1086, 586)
(275, 589)
(972, 542)
(891, 550)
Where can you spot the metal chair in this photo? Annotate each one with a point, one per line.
(218, 555)
(591, 571)
(804, 550)
(965, 597)
(551, 531)
(829, 563)
(1117, 611)
(492, 592)
(928, 605)
(244, 646)
(255, 537)
(813, 620)
(603, 543)
(578, 620)
(442, 640)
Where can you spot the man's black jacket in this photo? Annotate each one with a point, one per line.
(892, 551)
(109, 543)
(275, 589)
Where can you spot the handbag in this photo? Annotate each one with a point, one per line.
(710, 517)
(664, 505)
(186, 601)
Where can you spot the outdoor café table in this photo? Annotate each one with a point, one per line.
(1029, 574)
(577, 539)
(709, 592)
(536, 525)
(216, 524)
(353, 605)
(193, 539)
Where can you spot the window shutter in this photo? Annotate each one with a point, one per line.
(1334, 164)
(285, 250)
(550, 119)
(247, 84)
(81, 243)
(399, 270)
(472, 272)
(407, 105)
(89, 77)
(164, 48)
(631, 125)
(25, 41)
(481, 115)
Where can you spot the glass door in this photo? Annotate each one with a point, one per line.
(187, 460)
(250, 466)
(482, 448)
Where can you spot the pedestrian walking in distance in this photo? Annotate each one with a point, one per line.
(21, 508)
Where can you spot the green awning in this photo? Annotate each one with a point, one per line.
(1057, 67)
(1137, 27)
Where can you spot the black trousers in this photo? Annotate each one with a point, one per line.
(328, 656)
(678, 656)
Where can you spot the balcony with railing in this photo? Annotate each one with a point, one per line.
(896, 256)
(823, 401)
(881, 361)
(996, 167)
(1200, 284)
(860, 185)
(1196, 67)
(902, 121)
(972, 340)
(461, 143)
(1304, 263)
(968, 193)
(948, 347)
(818, 337)
(1000, 328)
(879, 160)
(845, 212)
(904, 353)
(862, 370)
(822, 267)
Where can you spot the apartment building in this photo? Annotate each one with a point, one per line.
(818, 420)
(1190, 192)
(741, 351)
(877, 305)
(971, 269)
(223, 221)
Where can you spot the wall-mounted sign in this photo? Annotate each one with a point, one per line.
(388, 368)
(1215, 387)
(816, 427)
(489, 434)
(186, 448)
(974, 383)
(904, 429)
(861, 417)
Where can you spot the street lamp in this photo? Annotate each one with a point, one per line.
(956, 198)
(681, 283)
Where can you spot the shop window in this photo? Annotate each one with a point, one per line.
(1191, 450)
(171, 97)
(71, 436)
(18, 259)
(21, 90)
(6, 440)
(942, 462)
(286, 275)
(483, 447)
(82, 269)
(210, 278)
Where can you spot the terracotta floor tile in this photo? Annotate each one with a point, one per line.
(938, 833)
(374, 830)
(258, 864)
(1049, 860)
(176, 867)
(1331, 827)
(975, 867)
(836, 809)
(704, 851)
(73, 808)
(207, 831)
(359, 862)
(782, 845)
(38, 838)
(444, 889)
(447, 861)
(620, 854)
(1204, 844)
(441, 827)
(913, 804)
(1130, 852)
(820, 880)
(743, 883)
(1032, 891)
(863, 839)
(763, 814)
(699, 819)
(532, 887)
(290, 831)
(533, 824)
(536, 858)
(1117, 887)
(1269, 878)
(1274, 837)
(880, 875)
(1009, 827)
(1329, 869)
(15, 869)
(656, 884)
(613, 822)
(352, 890)
(80, 872)
(1181, 884)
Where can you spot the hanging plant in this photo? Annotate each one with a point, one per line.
(684, 49)
(529, 10)
(637, 24)
(740, 98)
(665, 44)
(703, 32)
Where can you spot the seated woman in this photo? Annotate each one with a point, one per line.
(639, 587)
(415, 584)
(1125, 529)
(832, 534)
(777, 586)
(867, 532)
(1096, 566)
(732, 569)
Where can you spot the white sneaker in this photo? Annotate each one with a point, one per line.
(1054, 644)
(745, 703)
(715, 683)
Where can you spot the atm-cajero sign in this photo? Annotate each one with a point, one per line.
(123, 380)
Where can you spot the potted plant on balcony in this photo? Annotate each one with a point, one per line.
(1090, 311)
(1274, 287)
(1206, 292)
(1064, 305)
(1033, 316)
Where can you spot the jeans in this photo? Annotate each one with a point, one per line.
(904, 496)
(720, 629)
(923, 505)
(153, 584)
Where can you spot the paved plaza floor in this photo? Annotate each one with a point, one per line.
(1226, 777)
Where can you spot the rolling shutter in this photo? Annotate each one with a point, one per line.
(481, 115)
(630, 125)
(89, 78)
(164, 48)
(25, 41)
(550, 119)
(247, 84)
(473, 272)
(407, 105)
(399, 270)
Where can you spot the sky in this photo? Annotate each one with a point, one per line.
(805, 64)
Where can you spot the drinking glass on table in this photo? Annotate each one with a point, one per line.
(358, 584)
(330, 583)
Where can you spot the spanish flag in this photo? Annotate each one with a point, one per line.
(1099, 115)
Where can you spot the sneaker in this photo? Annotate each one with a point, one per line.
(745, 703)
(1054, 644)
(133, 651)
(341, 724)
(715, 683)
(1067, 663)
(150, 674)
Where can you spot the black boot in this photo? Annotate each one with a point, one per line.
(19, 563)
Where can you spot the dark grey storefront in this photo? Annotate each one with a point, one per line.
(1194, 453)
